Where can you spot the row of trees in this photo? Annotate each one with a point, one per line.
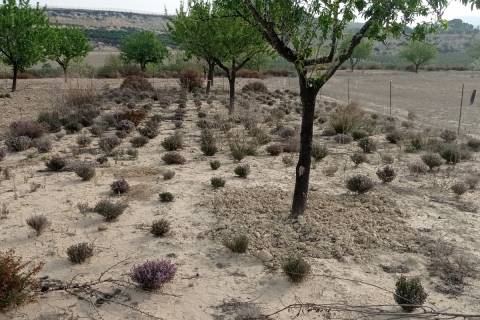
(27, 38)
(311, 35)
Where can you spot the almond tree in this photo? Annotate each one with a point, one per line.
(307, 32)
(22, 34)
(65, 45)
(143, 47)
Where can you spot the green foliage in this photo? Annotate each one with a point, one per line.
(22, 35)
(160, 228)
(217, 182)
(409, 293)
(143, 47)
(361, 52)
(242, 171)
(66, 44)
(215, 164)
(418, 53)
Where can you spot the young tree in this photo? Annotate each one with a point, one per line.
(237, 43)
(191, 29)
(418, 53)
(306, 33)
(22, 33)
(65, 45)
(361, 52)
(143, 47)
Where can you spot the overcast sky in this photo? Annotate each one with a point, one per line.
(455, 10)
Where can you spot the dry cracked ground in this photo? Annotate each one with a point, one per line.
(357, 245)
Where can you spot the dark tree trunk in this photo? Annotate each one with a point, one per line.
(308, 96)
(211, 69)
(416, 68)
(15, 76)
(143, 67)
(65, 75)
(231, 82)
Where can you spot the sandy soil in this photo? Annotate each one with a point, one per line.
(344, 236)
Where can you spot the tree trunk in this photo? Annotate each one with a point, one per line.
(231, 82)
(308, 96)
(15, 76)
(211, 69)
(416, 68)
(65, 75)
(143, 67)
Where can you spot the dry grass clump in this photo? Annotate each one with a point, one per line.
(190, 80)
(256, 86)
(241, 149)
(394, 136)
(139, 141)
(368, 145)
(83, 141)
(319, 152)
(359, 184)
(386, 174)
(168, 174)
(43, 144)
(409, 293)
(358, 158)
(417, 167)
(50, 120)
(110, 210)
(237, 244)
(3, 154)
(358, 134)
(174, 142)
(38, 223)
(80, 252)
(217, 182)
(80, 95)
(18, 281)
(208, 143)
(160, 228)
(274, 149)
(173, 157)
(330, 171)
(85, 170)
(150, 130)
(472, 181)
(296, 269)
(136, 83)
(242, 171)
(108, 143)
(346, 118)
(27, 128)
(343, 138)
(448, 136)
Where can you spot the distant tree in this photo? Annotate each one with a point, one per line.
(361, 52)
(307, 34)
(65, 45)
(418, 53)
(474, 50)
(22, 33)
(191, 30)
(143, 47)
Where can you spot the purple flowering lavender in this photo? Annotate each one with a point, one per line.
(152, 275)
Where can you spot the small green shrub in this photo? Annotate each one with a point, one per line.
(343, 138)
(208, 143)
(238, 244)
(346, 118)
(86, 171)
(139, 141)
(358, 158)
(166, 197)
(450, 153)
(432, 160)
(459, 188)
(18, 144)
(417, 167)
(394, 137)
(242, 171)
(474, 144)
(80, 252)
(367, 145)
(108, 143)
(274, 149)
(173, 143)
(160, 228)
(359, 184)
(409, 293)
(448, 135)
(215, 164)
(359, 134)
(110, 210)
(83, 141)
(296, 269)
(217, 182)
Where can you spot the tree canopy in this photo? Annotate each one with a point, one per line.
(418, 53)
(65, 45)
(22, 33)
(143, 47)
(361, 52)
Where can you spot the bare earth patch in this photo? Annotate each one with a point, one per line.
(335, 226)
